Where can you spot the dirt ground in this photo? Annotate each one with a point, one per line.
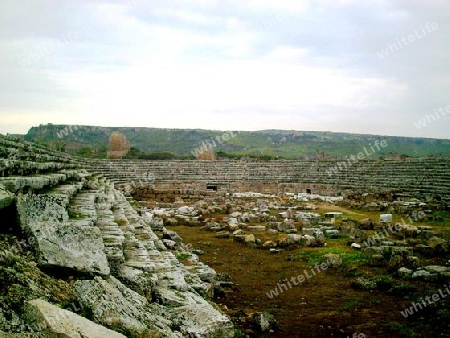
(325, 305)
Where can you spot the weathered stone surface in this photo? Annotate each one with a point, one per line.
(249, 239)
(332, 233)
(362, 283)
(197, 320)
(6, 197)
(422, 274)
(293, 238)
(263, 322)
(57, 242)
(404, 272)
(57, 322)
(257, 228)
(332, 260)
(115, 306)
(437, 269)
(15, 184)
(137, 280)
(438, 244)
(355, 246)
(269, 244)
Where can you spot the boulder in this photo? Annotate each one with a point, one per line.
(256, 228)
(172, 235)
(169, 244)
(222, 234)
(293, 238)
(363, 283)
(185, 210)
(404, 272)
(249, 239)
(57, 242)
(332, 233)
(286, 224)
(56, 322)
(355, 246)
(114, 305)
(423, 275)
(308, 240)
(332, 260)
(269, 244)
(263, 322)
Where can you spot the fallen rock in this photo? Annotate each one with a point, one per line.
(423, 275)
(363, 283)
(222, 234)
(404, 272)
(257, 228)
(114, 305)
(332, 260)
(172, 235)
(249, 239)
(269, 244)
(263, 322)
(169, 244)
(56, 322)
(57, 242)
(356, 246)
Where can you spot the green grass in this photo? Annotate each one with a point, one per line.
(75, 215)
(350, 304)
(183, 256)
(403, 330)
(314, 256)
(239, 334)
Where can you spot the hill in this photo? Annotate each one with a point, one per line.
(93, 141)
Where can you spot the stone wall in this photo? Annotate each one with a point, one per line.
(417, 176)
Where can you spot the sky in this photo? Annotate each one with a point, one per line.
(360, 66)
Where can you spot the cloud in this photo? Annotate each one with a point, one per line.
(235, 64)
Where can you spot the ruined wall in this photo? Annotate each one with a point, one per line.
(418, 176)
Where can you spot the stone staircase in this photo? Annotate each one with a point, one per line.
(77, 224)
(422, 175)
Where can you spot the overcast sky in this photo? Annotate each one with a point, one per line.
(227, 65)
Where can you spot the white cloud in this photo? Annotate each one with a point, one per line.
(267, 64)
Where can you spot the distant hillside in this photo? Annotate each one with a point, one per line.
(270, 143)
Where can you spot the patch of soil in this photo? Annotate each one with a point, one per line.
(325, 305)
